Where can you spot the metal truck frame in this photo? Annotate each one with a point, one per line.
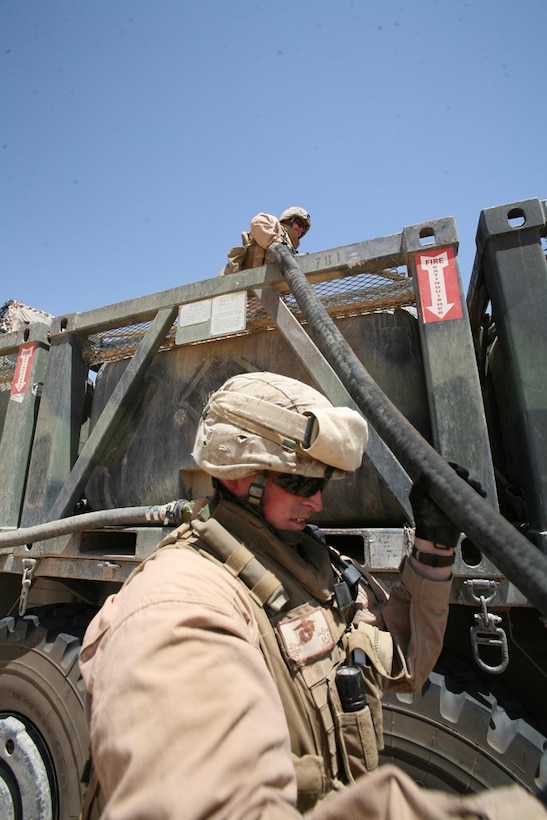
(83, 499)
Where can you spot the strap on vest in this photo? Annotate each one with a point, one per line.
(376, 644)
(240, 561)
(347, 590)
(320, 694)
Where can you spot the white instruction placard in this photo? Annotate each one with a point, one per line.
(228, 313)
(195, 313)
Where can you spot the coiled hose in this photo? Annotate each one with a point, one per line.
(519, 560)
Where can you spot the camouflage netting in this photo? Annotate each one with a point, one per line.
(351, 295)
(15, 315)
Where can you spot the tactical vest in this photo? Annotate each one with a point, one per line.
(305, 638)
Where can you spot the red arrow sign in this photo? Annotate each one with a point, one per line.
(438, 285)
(21, 377)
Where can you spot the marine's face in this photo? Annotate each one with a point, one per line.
(285, 511)
(282, 509)
(298, 227)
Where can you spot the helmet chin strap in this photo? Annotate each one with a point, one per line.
(255, 493)
(255, 501)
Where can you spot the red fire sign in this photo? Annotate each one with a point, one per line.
(438, 285)
(21, 377)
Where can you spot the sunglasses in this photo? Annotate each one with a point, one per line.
(299, 484)
(300, 222)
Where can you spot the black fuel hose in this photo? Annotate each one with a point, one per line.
(516, 557)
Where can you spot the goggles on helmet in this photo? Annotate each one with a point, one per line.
(304, 486)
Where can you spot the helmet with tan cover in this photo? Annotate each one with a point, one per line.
(258, 422)
(294, 212)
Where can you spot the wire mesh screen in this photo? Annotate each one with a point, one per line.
(346, 296)
(7, 369)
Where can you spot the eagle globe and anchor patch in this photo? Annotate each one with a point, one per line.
(306, 636)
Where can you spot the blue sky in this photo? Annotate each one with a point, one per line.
(138, 137)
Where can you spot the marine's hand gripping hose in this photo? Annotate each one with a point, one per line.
(522, 563)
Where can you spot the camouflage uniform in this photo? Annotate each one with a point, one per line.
(210, 676)
(265, 229)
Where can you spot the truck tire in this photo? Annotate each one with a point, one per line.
(465, 732)
(43, 735)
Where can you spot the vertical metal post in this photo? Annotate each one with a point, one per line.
(57, 429)
(112, 415)
(512, 271)
(455, 400)
(18, 429)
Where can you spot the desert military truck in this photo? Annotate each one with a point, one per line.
(98, 412)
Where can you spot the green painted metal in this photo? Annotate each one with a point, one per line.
(112, 415)
(459, 431)
(509, 284)
(20, 416)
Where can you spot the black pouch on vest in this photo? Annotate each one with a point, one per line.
(355, 735)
